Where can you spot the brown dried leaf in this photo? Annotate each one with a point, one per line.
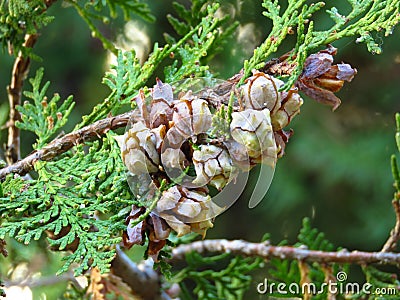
(345, 72)
(102, 285)
(117, 286)
(317, 65)
(319, 94)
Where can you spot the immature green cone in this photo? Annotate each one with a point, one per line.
(253, 129)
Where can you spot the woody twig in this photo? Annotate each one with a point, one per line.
(19, 72)
(266, 251)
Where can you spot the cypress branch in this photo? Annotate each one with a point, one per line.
(66, 142)
(266, 251)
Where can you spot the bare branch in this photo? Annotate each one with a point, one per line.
(266, 251)
(394, 237)
(66, 142)
(14, 90)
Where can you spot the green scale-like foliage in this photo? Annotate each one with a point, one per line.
(74, 199)
(42, 117)
(230, 282)
(128, 75)
(18, 18)
(395, 166)
(365, 18)
(92, 11)
(189, 18)
(287, 271)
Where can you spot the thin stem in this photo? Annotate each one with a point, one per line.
(304, 278)
(266, 251)
(19, 72)
(3, 249)
(394, 237)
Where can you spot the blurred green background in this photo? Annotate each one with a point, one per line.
(337, 165)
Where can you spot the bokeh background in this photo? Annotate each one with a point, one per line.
(336, 170)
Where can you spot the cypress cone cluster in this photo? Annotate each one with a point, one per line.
(172, 142)
(179, 147)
